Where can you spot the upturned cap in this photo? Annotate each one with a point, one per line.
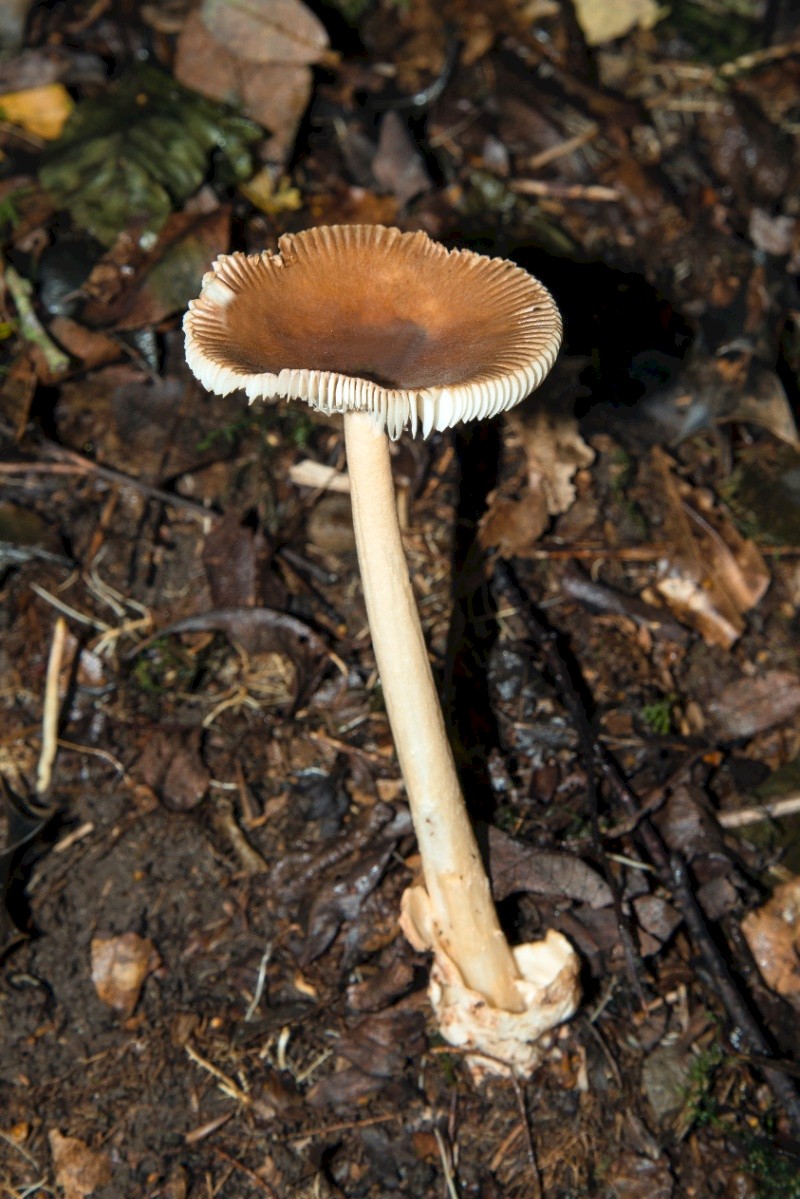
(367, 318)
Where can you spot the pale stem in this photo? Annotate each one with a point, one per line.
(465, 916)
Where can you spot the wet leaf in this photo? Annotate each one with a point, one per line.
(141, 150)
(713, 575)
(340, 897)
(172, 765)
(752, 704)
(131, 287)
(380, 1045)
(120, 966)
(773, 934)
(79, 1170)
(517, 867)
(554, 452)
(25, 536)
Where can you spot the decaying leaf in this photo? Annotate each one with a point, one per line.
(731, 385)
(750, 705)
(172, 765)
(773, 934)
(712, 574)
(604, 20)
(554, 452)
(258, 54)
(517, 867)
(120, 966)
(132, 287)
(79, 1170)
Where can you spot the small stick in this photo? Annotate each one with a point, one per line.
(593, 192)
(774, 810)
(29, 325)
(47, 756)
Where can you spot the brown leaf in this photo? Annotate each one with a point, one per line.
(554, 452)
(171, 763)
(398, 166)
(234, 558)
(380, 1045)
(256, 55)
(773, 934)
(91, 348)
(713, 574)
(261, 631)
(517, 867)
(381, 988)
(120, 966)
(79, 1170)
(130, 288)
(751, 705)
(634, 1177)
(263, 31)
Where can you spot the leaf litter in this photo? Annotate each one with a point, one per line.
(225, 788)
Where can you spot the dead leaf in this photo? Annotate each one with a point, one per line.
(713, 575)
(263, 31)
(79, 1170)
(751, 705)
(89, 347)
(130, 287)
(235, 559)
(42, 111)
(120, 966)
(330, 526)
(381, 1044)
(729, 386)
(605, 20)
(773, 934)
(172, 764)
(632, 1176)
(381, 988)
(517, 867)
(398, 166)
(258, 55)
(554, 452)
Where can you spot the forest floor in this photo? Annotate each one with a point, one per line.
(203, 989)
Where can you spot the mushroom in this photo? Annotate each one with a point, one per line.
(396, 332)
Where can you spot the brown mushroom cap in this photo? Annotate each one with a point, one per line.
(361, 317)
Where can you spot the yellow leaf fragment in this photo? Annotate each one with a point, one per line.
(41, 111)
(604, 20)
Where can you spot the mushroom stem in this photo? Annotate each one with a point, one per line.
(466, 923)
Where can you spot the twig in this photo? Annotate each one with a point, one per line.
(593, 192)
(29, 326)
(47, 756)
(789, 805)
(757, 58)
(728, 991)
(447, 1168)
(83, 465)
(256, 1179)
(324, 1130)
